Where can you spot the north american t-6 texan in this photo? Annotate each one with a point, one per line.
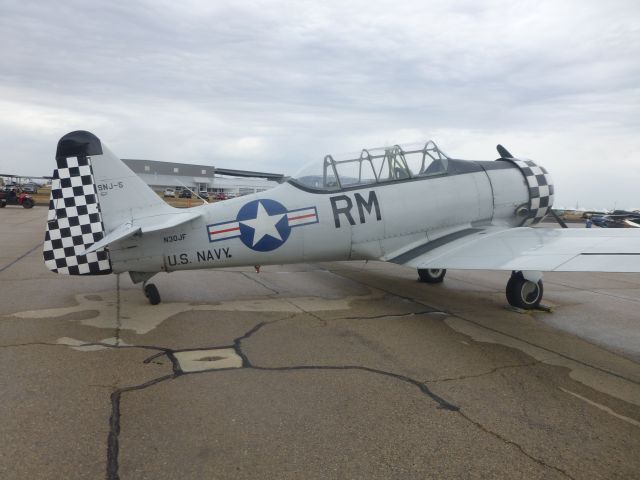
(415, 207)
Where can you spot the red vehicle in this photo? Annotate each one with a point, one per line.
(15, 197)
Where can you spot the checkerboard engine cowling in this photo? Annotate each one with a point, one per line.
(74, 221)
(540, 190)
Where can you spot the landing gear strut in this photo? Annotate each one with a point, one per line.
(431, 275)
(523, 293)
(151, 292)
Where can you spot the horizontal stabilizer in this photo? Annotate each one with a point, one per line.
(122, 232)
(165, 221)
(143, 225)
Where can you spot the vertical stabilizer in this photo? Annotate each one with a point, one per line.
(74, 221)
(123, 196)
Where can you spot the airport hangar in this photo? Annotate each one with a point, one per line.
(198, 178)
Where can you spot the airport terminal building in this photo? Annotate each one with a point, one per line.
(200, 178)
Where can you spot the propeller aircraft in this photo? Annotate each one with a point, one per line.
(414, 207)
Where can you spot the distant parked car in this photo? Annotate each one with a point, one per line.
(600, 220)
(185, 193)
(169, 192)
(30, 188)
(220, 196)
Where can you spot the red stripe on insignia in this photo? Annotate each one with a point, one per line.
(224, 231)
(303, 216)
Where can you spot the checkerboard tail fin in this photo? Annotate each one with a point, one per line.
(75, 221)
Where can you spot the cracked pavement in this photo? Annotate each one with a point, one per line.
(339, 370)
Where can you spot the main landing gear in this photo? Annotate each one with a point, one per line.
(524, 293)
(524, 289)
(431, 275)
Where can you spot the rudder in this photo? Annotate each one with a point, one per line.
(74, 221)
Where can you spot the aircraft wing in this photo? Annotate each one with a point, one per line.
(149, 224)
(542, 249)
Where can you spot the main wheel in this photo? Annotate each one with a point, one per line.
(432, 275)
(523, 293)
(151, 292)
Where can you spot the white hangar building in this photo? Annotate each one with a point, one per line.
(200, 178)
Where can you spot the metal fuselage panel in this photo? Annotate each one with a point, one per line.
(290, 224)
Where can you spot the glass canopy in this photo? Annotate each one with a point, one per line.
(373, 166)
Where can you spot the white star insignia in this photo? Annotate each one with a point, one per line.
(264, 224)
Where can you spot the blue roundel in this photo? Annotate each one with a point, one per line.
(263, 225)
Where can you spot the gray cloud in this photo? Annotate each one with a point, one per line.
(272, 85)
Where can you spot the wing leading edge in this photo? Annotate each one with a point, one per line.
(543, 249)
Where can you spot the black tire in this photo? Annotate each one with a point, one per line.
(27, 203)
(3, 203)
(432, 275)
(151, 292)
(522, 293)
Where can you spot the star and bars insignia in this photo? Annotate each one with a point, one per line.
(263, 225)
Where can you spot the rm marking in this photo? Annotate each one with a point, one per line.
(345, 209)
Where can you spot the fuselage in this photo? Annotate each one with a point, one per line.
(294, 223)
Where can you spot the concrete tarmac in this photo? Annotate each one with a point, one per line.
(337, 370)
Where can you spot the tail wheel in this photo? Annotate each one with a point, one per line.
(523, 293)
(151, 292)
(432, 275)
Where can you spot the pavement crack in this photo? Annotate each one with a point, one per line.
(489, 372)
(161, 350)
(246, 363)
(308, 312)
(598, 292)
(113, 439)
(106, 387)
(397, 315)
(553, 352)
(485, 327)
(79, 345)
(253, 277)
(113, 442)
(33, 344)
(237, 342)
(10, 264)
(514, 444)
(442, 403)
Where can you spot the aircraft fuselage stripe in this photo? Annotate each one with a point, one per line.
(438, 242)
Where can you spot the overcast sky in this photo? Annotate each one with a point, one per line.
(275, 85)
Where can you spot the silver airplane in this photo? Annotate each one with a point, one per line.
(415, 207)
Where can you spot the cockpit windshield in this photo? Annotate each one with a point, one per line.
(377, 165)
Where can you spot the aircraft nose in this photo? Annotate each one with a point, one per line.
(541, 190)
